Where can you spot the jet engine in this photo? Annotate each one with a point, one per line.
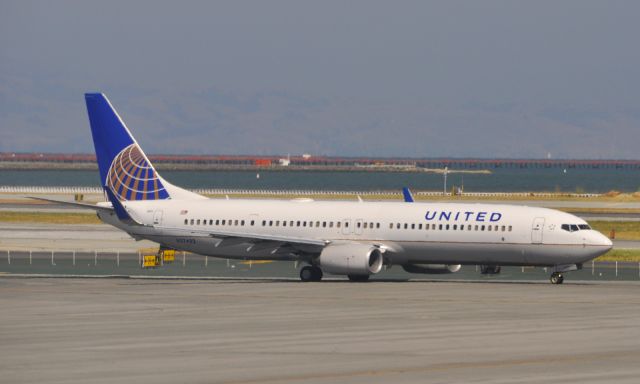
(432, 268)
(351, 259)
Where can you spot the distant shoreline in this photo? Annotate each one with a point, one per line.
(235, 167)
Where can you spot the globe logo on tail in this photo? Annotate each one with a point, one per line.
(131, 177)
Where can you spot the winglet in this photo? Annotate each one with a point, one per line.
(408, 197)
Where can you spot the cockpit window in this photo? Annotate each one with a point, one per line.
(574, 227)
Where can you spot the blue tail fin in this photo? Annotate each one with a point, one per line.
(124, 168)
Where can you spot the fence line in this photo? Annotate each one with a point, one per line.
(288, 192)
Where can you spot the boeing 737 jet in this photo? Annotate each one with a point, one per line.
(356, 239)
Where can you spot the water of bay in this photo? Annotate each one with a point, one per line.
(503, 180)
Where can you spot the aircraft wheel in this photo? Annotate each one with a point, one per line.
(306, 274)
(310, 273)
(358, 277)
(317, 274)
(557, 278)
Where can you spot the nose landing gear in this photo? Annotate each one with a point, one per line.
(556, 278)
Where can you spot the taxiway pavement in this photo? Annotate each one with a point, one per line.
(266, 331)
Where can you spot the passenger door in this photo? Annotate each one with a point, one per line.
(536, 230)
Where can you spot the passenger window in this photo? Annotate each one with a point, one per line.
(324, 224)
(218, 222)
(476, 228)
(503, 228)
(198, 222)
(358, 224)
(235, 222)
(440, 227)
(489, 228)
(331, 224)
(413, 226)
(365, 225)
(252, 222)
(186, 221)
(510, 228)
(346, 224)
(455, 227)
(304, 223)
(377, 225)
(406, 225)
(462, 227)
(338, 224)
(469, 227)
(482, 228)
(390, 225)
(317, 224)
(264, 223)
(420, 226)
(447, 227)
(191, 221)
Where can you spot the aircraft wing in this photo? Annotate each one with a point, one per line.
(234, 238)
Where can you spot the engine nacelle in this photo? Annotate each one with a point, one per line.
(433, 269)
(351, 259)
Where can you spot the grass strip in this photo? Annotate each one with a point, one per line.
(629, 255)
(624, 230)
(49, 217)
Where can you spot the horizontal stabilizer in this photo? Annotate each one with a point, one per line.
(74, 204)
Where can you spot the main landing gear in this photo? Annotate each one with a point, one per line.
(556, 278)
(310, 273)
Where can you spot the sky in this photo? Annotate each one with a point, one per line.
(512, 79)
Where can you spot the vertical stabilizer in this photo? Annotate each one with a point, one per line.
(124, 168)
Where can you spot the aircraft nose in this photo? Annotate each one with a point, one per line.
(601, 242)
(604, 241)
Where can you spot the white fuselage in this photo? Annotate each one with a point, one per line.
(409, 233)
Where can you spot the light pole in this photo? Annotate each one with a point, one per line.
(444, 191)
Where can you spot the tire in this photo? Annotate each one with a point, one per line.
(317, 274)
(307, 274)
(556, 278)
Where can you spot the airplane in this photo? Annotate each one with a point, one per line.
(356, 239)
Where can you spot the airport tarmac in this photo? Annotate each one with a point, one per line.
(270, 331)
